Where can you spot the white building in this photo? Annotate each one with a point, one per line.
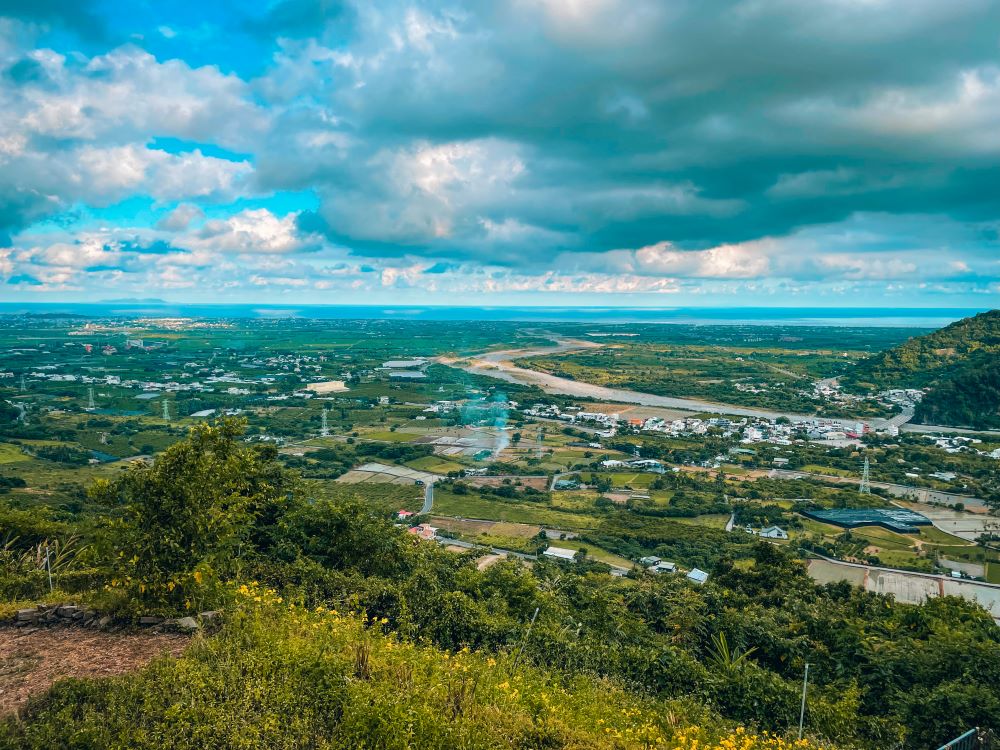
(773, 532)
(697, 575)
(560, 553)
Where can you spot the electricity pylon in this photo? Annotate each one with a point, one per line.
(866, 487)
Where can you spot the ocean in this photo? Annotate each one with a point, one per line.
(805, 316)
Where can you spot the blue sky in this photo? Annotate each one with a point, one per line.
(550, 152)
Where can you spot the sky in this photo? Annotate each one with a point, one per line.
(841, 153)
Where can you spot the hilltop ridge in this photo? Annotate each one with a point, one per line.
(958, 364)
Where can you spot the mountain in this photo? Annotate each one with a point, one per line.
(959, 364)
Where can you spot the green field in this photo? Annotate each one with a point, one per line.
(10, 454)
(434, 464)
(475, 506)
(386, 436)
(595, 552)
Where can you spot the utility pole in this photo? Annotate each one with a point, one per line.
(805, 684)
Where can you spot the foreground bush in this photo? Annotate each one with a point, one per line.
(279, 676)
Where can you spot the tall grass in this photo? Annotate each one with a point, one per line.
(279, 676)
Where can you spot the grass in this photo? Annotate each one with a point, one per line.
(384, 496)
(818, 527)
(712, 520)
(10, 454)
(434, 464)
(937, 536)
(282, 677)
(817, 469)
(386, 436)
(884, 538)
(993, 572)
(636, 480)
(475, 506)
(601, 555)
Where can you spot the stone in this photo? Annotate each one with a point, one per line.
(26, 615)
(150, 620)
(210, 616)
(187, 624)
(104, 622)
(68, 611)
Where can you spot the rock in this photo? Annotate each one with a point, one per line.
(27, 615)
(150, 620)
(68, 611)
(103, 622)
(210, 616)
(187, 624)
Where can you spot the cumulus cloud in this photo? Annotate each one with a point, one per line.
(513, 147)
(254, 231)
(180, 218)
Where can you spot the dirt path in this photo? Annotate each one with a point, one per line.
(32, 660)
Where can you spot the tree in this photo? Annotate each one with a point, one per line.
(188, 516)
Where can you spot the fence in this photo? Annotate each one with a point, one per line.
(974, 739)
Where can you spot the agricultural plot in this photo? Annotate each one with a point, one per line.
(537, 483)
(474, 506)
(434, 465)
(383, 496)
(386, 474)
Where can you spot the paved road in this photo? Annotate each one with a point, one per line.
(428, 498)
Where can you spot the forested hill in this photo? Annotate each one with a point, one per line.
(959, 363)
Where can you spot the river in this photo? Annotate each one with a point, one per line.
(500, 365)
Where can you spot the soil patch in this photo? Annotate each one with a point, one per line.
(32, 660)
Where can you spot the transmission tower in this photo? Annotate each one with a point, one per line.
(90, 398)
(866, 487)
(23, 388)
(166, 410)
(324, 430)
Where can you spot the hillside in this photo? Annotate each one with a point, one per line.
(280, 676)
(341, 630)
(960, 364)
